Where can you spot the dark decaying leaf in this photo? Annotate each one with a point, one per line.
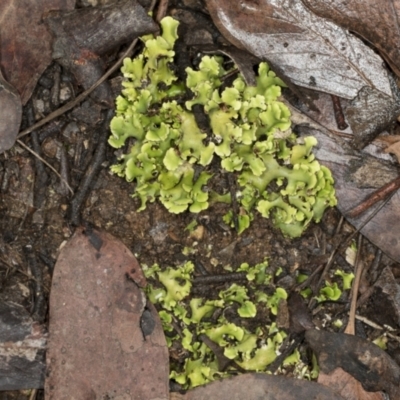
(365, 361)
(83, 35)
(308, 50)
(370, 113)
(25, 42)
(375, 21)
(22, 349)
(299, 314)
(384, 305)
(259, 386)
(10, 114)
(105, 341)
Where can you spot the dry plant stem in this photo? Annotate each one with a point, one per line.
(307, 282)
(332, 256)
(33, 394)
(162, 10)
(338, 112)
(21, 143)
(359, 265)
(374, 197)
(81, 97)
(372, 324)
(217, 279)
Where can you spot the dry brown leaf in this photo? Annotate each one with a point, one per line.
(260, 386)
(394, 149)
(392, 143)
(105, 340)
(348, 387)
(25, 42)
(389, 139)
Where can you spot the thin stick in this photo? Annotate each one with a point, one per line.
(372, 324)
(359, 265)
(21, 143)
(374, 197)
(162, 10)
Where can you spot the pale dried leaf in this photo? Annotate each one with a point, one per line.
(394, 149)
(375, 21)
(308, 50)
(389, 139)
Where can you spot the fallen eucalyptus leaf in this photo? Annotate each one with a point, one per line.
(357, 175)
(376, 22)
(25, 43)
(309, 51)
(105, 341)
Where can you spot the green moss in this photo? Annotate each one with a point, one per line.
(250, 137)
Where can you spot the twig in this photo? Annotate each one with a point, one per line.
(212, 279)
(21, 143)
(338, 112)
(359, 265)
(376, 326)
(162, 10)
(347, 241)
(91, 172)
(39, 307)
(374, 197)
(33, 394)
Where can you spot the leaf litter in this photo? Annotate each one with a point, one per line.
(145, 323)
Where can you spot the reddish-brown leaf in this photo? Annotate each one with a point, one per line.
(105, 340)
(375, 21)
(25, 42)
(350, 389)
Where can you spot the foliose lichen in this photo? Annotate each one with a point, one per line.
(169, 156)
(249, 343)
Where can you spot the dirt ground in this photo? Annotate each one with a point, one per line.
(35, 221)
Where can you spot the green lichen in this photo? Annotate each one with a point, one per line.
(252, 346)
(169, 156)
